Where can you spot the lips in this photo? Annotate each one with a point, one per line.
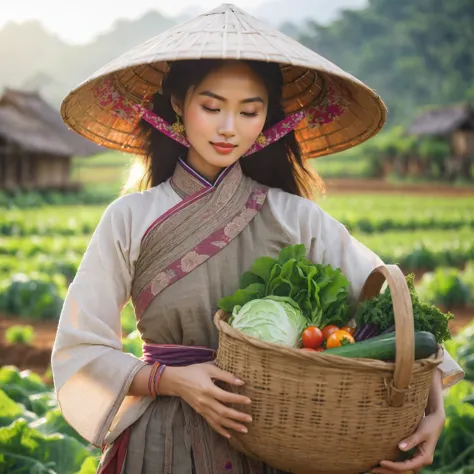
(223, 145)
(223, 148)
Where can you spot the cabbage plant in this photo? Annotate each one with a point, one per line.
(275, 319)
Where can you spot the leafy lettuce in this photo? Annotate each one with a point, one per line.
(320, 291)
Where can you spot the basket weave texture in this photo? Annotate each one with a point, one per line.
(322, 414)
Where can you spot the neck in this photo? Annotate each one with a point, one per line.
(201, 166)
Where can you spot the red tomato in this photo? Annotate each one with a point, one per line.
(350, 330)
(312, 337)
(328, 330)
(339, 338)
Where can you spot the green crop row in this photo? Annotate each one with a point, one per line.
(422, 250)
(360, 213)
(380, 213)
(449, 287)
(50, 221)
(43, 245)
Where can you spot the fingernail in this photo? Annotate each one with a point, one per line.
(403, 445)
(248, 401)
(239, 382)
(244, 430)
(249, 419)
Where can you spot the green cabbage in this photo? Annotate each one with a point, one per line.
(273, 319)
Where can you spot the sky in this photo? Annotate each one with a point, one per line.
(79, 22)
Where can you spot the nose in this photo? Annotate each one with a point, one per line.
(227, 126)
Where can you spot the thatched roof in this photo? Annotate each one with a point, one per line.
(30, 133)
(443, 121)
(32, 123)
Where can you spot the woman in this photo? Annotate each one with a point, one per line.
(227, 186)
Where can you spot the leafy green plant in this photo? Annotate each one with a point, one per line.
(37, 296)
(24, 449)
(319, 290)
(133, 344)
(20, 334)
(34, 437)
(444, 287)
(379, 312)
(128, 319)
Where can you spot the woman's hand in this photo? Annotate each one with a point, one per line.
(424, 438)
(195, 385)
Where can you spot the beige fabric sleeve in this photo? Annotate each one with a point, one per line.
(329, 242)
(91, 373)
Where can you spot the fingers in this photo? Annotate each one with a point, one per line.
(223, 417)
(421, 459)
(230, 413)
(229, 397)
(222, 424)
(219, 374)
(414, 440)
(228, 423)
(216, 427)
(382, 470)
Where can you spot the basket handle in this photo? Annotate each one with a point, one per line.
(405, 333)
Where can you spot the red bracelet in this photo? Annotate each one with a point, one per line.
(158, 375)
(151, 379)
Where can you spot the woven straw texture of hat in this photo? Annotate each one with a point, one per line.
(227, 33)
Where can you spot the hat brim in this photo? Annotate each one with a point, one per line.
(228, 33)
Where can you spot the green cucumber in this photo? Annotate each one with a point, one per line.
(383, 347)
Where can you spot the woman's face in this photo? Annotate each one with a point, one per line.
(223, 117)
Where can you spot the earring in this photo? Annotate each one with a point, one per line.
(261, 139)
(178, 126)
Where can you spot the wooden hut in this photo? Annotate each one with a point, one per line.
(36, 148)
(455, 125)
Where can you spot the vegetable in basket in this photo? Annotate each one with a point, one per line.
(383, 347)
(273, 319)
(320, 291)
(376, 316)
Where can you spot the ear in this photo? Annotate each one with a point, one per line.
(177, 106)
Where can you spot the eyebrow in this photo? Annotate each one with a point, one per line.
(223, 99)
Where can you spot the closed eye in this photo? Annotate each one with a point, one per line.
(209, 109)
(249, 114)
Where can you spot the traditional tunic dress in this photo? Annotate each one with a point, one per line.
(176, 249)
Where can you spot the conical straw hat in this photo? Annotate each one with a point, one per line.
(347, 111)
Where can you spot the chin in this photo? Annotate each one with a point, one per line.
(222, 161)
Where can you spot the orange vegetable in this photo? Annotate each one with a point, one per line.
(350, 330)
(339, 338)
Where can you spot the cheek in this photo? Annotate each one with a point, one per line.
(196, 121)
(254, 128)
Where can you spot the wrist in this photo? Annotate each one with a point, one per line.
(435, 403)
(169, 383)
(436, 410)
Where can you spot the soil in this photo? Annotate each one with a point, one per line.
(37, 356)
(350, 186)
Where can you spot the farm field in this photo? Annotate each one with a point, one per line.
(432, 236)
(41, 248)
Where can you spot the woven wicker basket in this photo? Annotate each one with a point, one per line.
(317, 413)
